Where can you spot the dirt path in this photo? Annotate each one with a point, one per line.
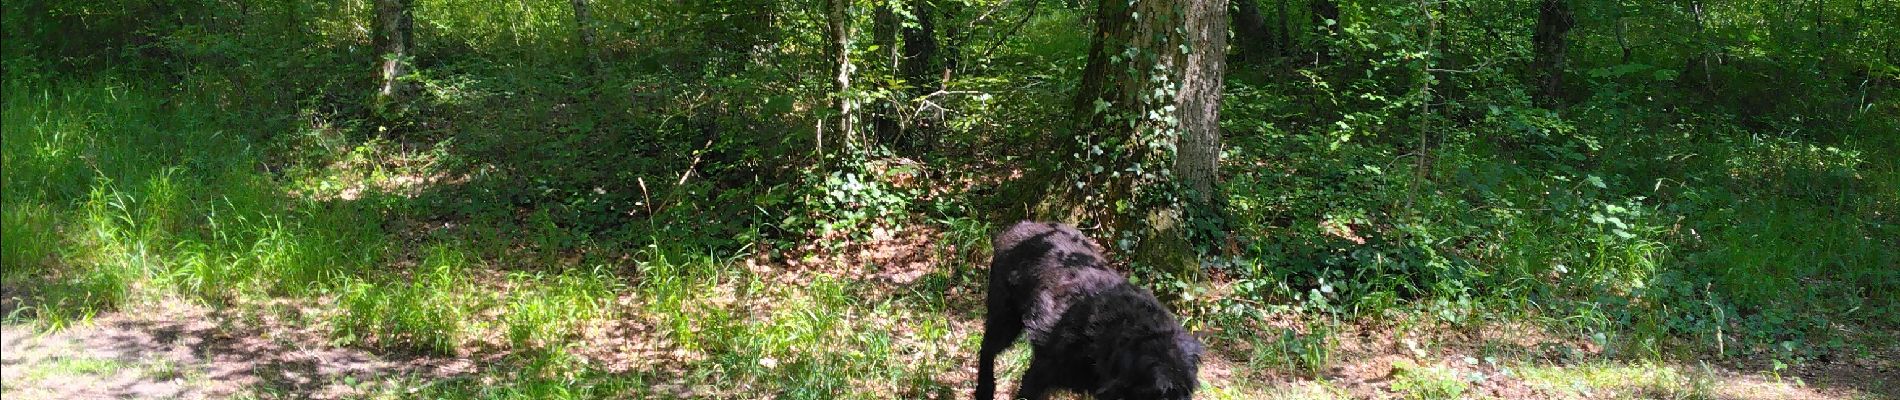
(186, 352)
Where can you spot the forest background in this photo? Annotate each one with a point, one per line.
(792, 199)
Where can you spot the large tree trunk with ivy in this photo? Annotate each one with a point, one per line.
(394, 40)
(1146, 120)
(1554, 21)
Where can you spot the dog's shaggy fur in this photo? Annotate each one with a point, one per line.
(1089, 329)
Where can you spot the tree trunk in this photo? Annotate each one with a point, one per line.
(1554, 20)
(1622, 32)
(584, 30)
(884, 25)
(922, 70)
(1323, 11)
(1257, 43)
(1701, 58)
(1197, 158)
(394, 40)
(1325, 14)
(951, 53)
(1154, 109)
(1281, 31)
(838, 47)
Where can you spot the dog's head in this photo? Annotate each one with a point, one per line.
(1159, 367)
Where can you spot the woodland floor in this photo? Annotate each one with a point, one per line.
(175, 350)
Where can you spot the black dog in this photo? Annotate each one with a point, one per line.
(1089, 329)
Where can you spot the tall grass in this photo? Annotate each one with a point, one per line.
(117, 194)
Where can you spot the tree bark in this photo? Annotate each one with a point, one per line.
(838, 47)
(1622, 31)
(1150, 95)
(922, 70)
(394, 40)
(952, 49)
(1281, 31)
(1114, 31)
(884, 26)
(584, 31)
(1701, 57)
(1198, 153)
(1554, 20)
(1257, 43)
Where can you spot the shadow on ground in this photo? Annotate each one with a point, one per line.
(189, 352)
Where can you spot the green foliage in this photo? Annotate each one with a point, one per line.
(1656, 211)
(849, 201)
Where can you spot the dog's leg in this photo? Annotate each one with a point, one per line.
(999, 332)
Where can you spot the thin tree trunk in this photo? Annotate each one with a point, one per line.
(1701, 48)
(1282, 32)
(1250, 30)
(584, 30)
(395, 40)
(838, 46)
(1820, 23)
(953, 38)
(1554, 20)
(922, 70)
(884, 26)
(1622, 32)
(1325, 14)
(1423, 161)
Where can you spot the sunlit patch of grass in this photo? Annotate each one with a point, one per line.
(435, 309)
(1311, 390)
(545, 310)
(1621, 381)
(116, 193)
(549, 374)
(62, 366)
(1434, 382)
(31, 242)
(737, 334)
(1306, 352)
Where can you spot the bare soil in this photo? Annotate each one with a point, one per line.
(180, 351)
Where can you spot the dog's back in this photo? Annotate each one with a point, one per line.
(1092, 330)
(1045, 267)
